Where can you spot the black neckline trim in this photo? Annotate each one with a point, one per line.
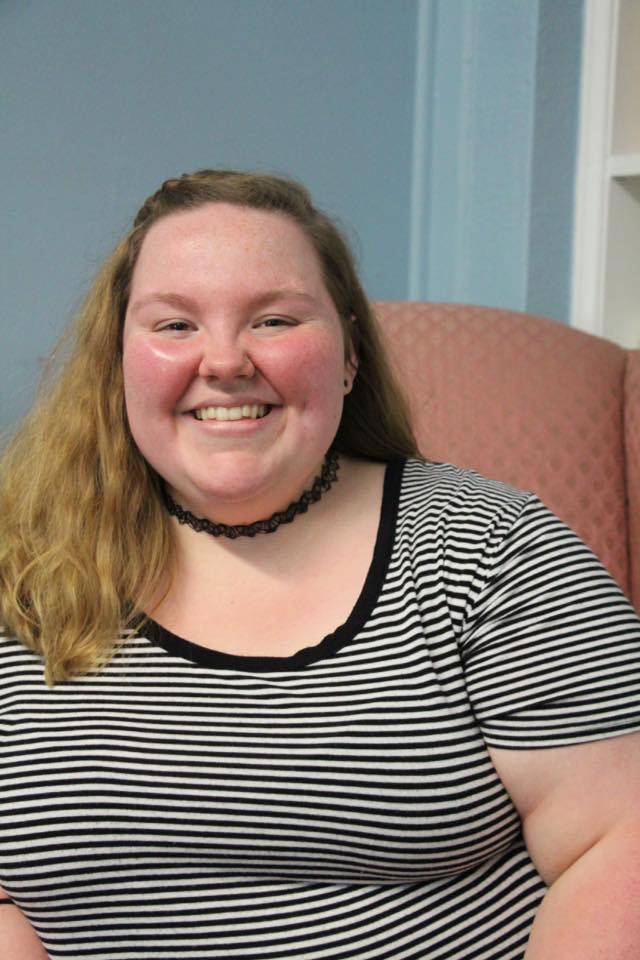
(186, 650)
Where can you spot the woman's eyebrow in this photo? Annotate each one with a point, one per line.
(170, 299)
(284, 294)
(179, 300)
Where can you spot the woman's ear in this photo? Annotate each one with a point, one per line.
(351, 356)
(350, 372)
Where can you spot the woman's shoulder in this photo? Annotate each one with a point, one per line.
(460, 488)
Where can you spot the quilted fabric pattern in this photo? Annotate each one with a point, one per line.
(525, 400)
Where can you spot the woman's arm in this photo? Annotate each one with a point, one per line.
(580, 808)
(18, 940)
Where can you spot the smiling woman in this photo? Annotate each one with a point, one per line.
(271, 684)
(246, 324)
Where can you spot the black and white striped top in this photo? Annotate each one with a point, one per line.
(339, 804)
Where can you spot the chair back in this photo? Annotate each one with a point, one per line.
(532, 402)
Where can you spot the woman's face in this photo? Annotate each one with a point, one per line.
(234, 360)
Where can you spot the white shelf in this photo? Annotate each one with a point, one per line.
(624, 164)
(621, 301)
(606, 272)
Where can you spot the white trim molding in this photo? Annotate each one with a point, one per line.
(592, 180)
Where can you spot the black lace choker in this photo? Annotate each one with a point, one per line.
(323, 482)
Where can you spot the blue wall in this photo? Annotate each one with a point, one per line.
(477, 152)
(428, 126)
(553, 161)
(494, 166)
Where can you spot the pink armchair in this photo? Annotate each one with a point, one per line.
(534, 403)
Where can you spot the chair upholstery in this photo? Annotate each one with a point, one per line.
(532, 402)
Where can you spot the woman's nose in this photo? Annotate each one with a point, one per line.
(225, 359)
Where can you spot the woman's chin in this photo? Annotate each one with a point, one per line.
(240, 488)
(239, 503)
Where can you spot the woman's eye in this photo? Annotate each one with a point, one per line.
(276, 322)
(175, 325)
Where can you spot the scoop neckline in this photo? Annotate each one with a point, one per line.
(184, 649)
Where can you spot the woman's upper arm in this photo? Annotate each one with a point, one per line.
(18, 939)
(569, 798)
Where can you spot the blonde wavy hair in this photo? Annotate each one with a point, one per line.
(85, 540)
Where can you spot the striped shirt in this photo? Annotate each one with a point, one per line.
(338, 804)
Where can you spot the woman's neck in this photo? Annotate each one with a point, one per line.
(256, 594)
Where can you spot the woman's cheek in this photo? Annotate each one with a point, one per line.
(308, 367)
(153, 374)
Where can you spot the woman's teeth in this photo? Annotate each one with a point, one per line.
(252, 411)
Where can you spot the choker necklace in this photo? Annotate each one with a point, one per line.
(323, 482)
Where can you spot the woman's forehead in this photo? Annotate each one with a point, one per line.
(221, 239)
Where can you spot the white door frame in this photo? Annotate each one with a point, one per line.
(597, 87)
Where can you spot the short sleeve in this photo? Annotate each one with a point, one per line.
(550, 644)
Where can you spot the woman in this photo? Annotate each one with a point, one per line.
(304, 694)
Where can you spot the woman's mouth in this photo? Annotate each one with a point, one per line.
(248, 411)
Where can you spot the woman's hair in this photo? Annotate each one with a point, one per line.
(85, 540)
